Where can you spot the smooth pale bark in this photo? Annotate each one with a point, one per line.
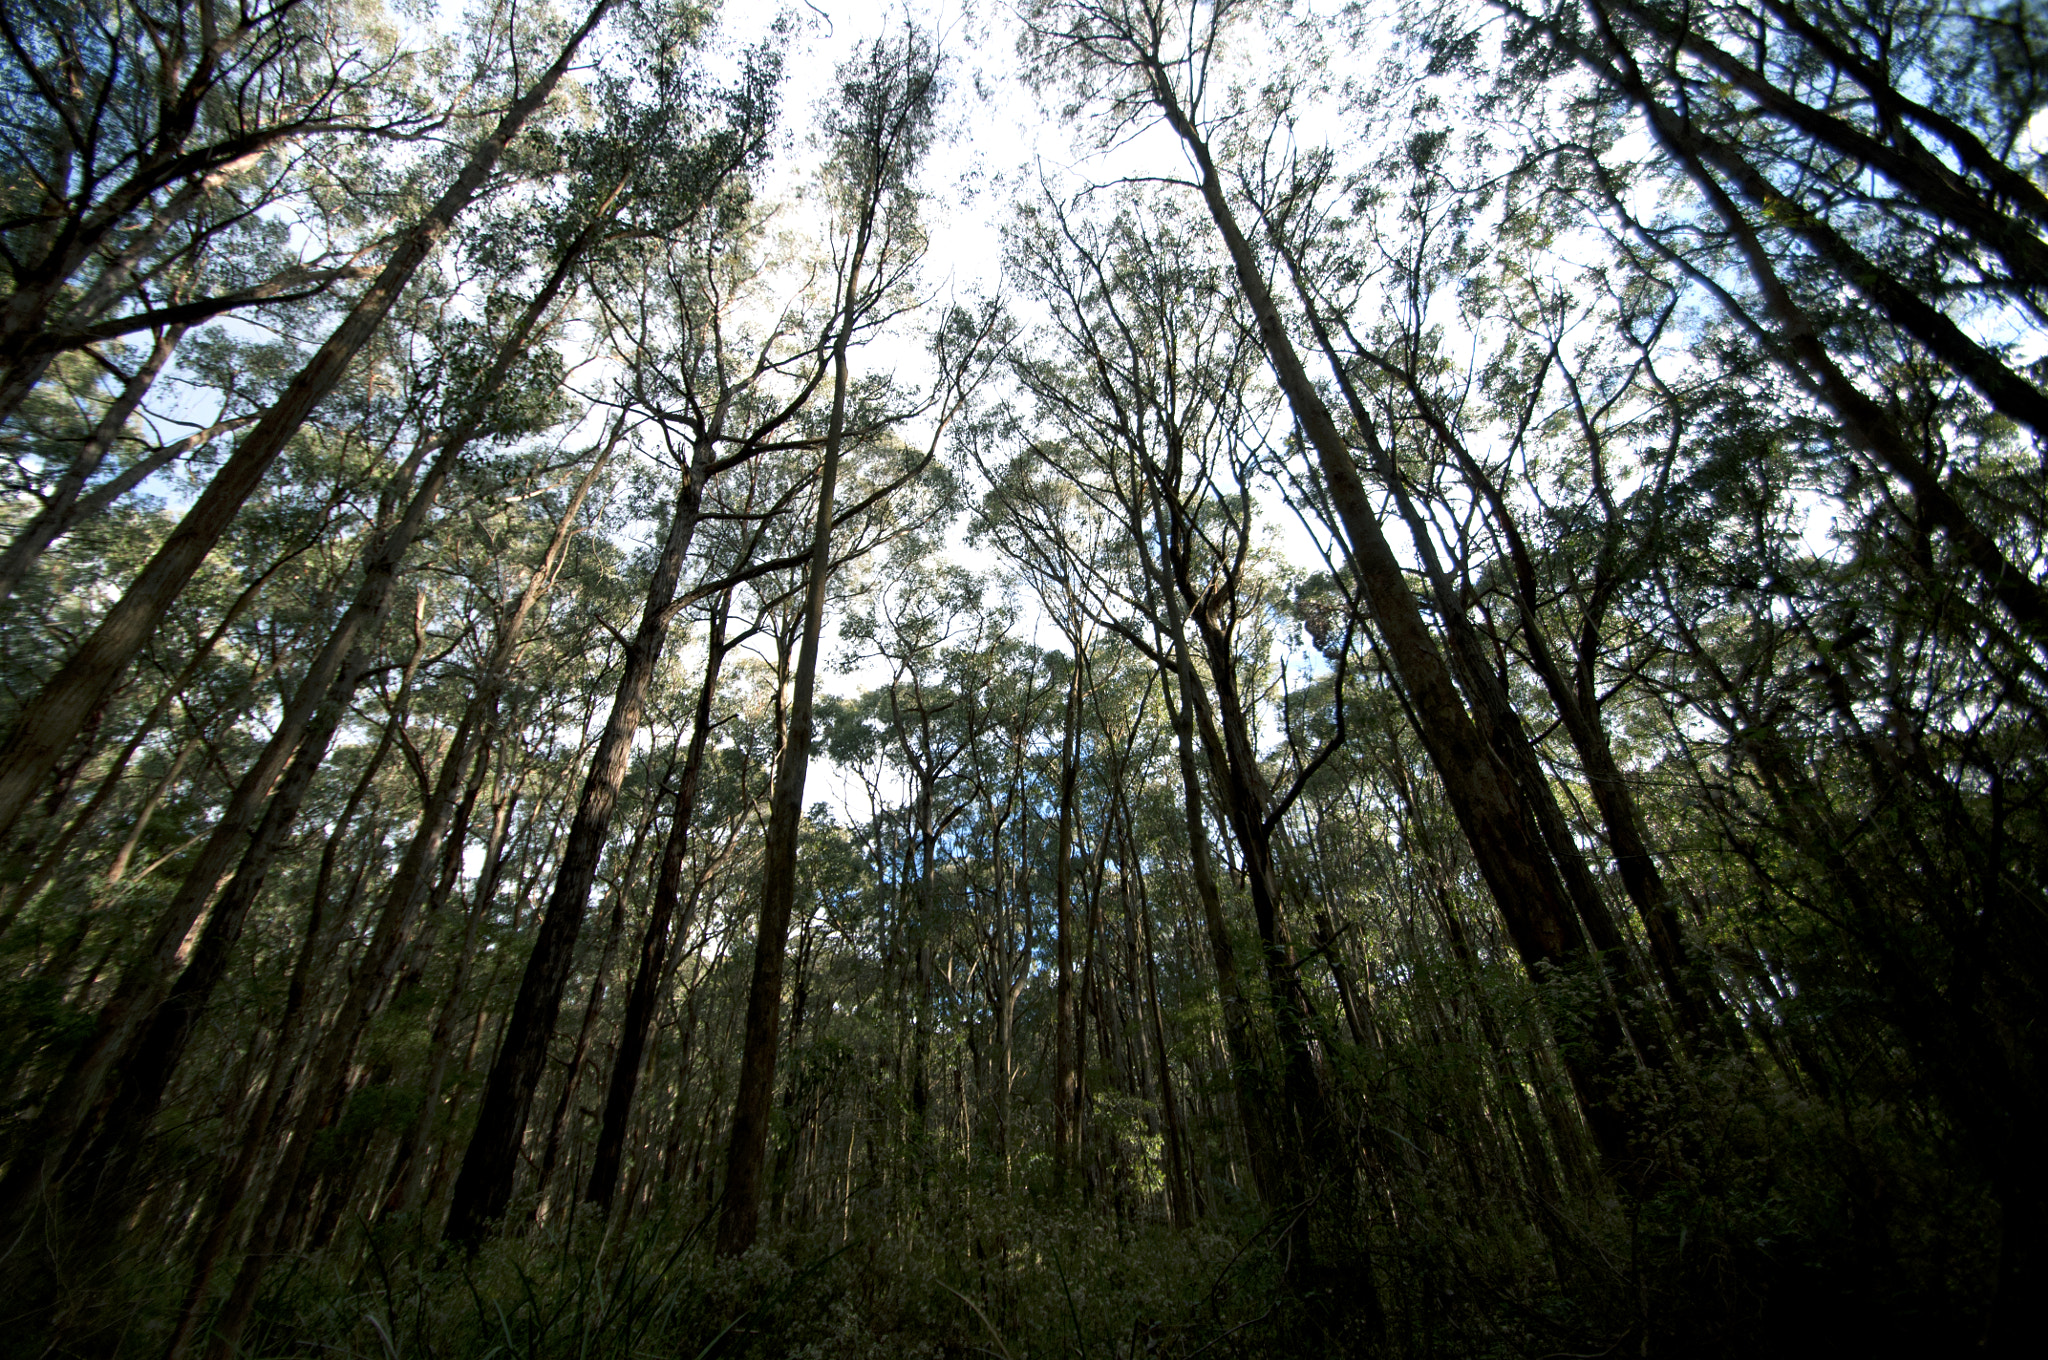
(51, 720)
(669, 918)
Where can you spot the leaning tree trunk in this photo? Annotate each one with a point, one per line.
(51, 720)
(663, 923)
(1513, 862)
(483, 1188)
(138, 1041)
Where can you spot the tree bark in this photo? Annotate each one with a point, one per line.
(483, 1188)
(53, 718)
(56, 516)
(137, 1043)
(1515, 865)
(664, 922)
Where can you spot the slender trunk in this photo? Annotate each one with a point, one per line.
(1179, 1200)
(53, 718)
(326, 1073)
(663, 923)
(484, 1186)
(1066, 1081)
(316, 941)
(1247, 1078)
(138, 1084)
(551, 1153)
(1496, 822)
(411, 1186)
(56, 515)
(1347, 993)
(139, 1045)
(739, 1215)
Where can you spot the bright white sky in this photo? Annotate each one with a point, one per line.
(1002, 142)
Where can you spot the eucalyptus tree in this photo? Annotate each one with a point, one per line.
(144, 1028)
(1154, 411)
(1110, 380)
(126, 119)
(722, 396)
(1373, 257)
(48, 723)
(1835, 703)
(1849, 189)
(752, 545)
(727, 421)
(1845, 149)
(1145, 62)
(933, 632)
(670, 915)
(995, 865)
(878, 127)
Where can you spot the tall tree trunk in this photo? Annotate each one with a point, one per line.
(1066, 1090)
(1496, 822)
(663, 923)
(579, 1052)
(1179, 1199)
(316, 940)
(326, 1082)
(483, 1188)
(139, 1042)
(740, 1213)
(1247, 1079)
(1509, 738)
(413, 1162)
(53, 718)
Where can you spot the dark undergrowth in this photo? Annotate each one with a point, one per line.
(1808, 1234)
